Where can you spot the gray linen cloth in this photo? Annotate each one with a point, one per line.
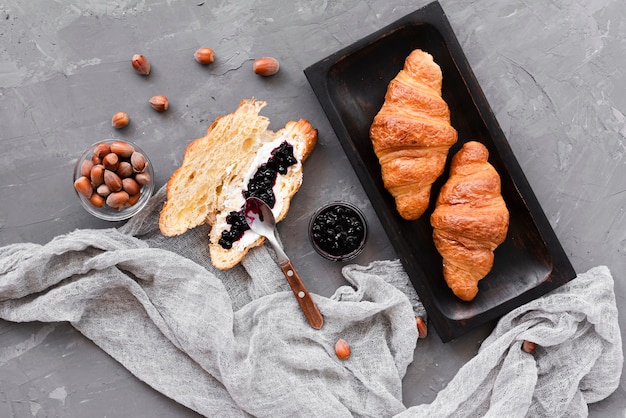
(234, 343)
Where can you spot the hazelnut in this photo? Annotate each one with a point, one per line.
(265, 66)
(529, 346)
(159, 103)
(133, 198)
(101, 150)
(111, 161)
(141, 64)
(97, 200)
(97, 175)
(124, 170)
(142, 178)
(83, 186)
(119, 120)
(130, 186)
(103, 190)
(422, 331)
(342, 349)
(112, 180)
(117, 200)
(138, 161)
(204, 55)
(123, 149)
(85, 168)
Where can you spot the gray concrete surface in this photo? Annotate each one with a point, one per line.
(553, 72)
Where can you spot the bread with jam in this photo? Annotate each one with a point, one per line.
(238, 157)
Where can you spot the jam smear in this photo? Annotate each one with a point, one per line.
(260, 186)
(238, 226)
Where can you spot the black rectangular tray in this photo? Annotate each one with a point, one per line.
(350, 86)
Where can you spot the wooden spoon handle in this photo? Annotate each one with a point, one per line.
(308, 306)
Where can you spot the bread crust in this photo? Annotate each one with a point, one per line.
(470, 220)
(209, 182)
(411, 134)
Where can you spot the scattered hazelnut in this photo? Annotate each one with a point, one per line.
(529, 346)
(422, 331)
(204, 55)
(141, 64)
(159, 103)
(119, 120)
(265, 66)
(342, 349)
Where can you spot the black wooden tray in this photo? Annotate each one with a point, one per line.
(350, 86)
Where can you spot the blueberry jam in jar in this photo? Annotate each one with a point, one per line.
(338, 231)
(261, 186)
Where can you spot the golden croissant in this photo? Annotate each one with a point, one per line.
(411, 134)
(470, 220)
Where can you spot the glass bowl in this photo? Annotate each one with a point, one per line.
(113, 179)
(338, 231)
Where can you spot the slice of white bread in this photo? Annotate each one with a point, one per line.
(216, 169)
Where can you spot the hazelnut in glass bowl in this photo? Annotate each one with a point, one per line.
(113, 179)
(338, 231)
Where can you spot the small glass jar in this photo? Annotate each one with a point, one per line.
(129, 174)
(338, 231)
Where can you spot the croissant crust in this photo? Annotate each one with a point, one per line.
(470, 220)
(411, 134)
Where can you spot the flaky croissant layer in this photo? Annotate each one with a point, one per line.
(470, 220)
(411, 134)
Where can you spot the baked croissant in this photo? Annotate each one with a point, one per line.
(470, 220)
(411, 134)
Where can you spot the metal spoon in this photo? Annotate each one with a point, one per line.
(261, 220)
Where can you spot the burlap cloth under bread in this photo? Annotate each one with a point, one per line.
(234, 343)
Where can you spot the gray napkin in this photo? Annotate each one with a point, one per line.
(578, 360)
(230, 343)
(234, 343)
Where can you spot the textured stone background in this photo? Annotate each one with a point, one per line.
(552, 72)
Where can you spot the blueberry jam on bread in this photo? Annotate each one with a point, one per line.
(261, 186)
